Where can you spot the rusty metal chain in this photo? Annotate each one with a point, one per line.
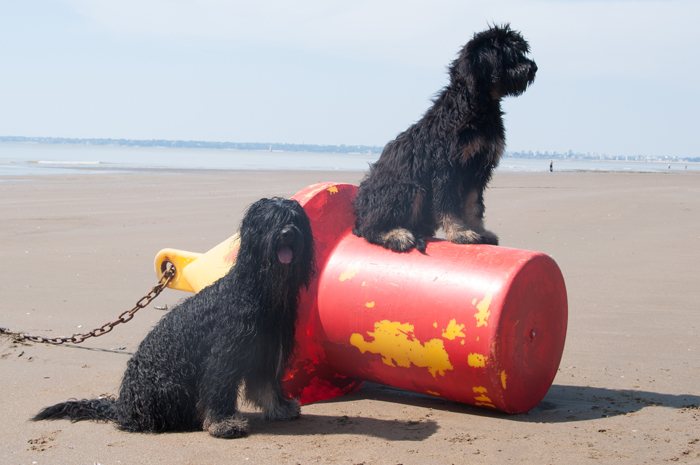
(168, 275)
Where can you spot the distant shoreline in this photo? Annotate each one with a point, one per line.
(155, 143)
(308, 148)
(659, 162)
(45, 158)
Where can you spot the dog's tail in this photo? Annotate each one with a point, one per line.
(103, 408)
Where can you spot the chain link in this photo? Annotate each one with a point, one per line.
(168, 275)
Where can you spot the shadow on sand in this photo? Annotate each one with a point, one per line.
(310, 424)
(561, 404)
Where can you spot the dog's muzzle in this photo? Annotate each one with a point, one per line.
(285, 253)
(533, 71)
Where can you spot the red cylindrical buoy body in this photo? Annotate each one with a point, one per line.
(478, 324)
(481, 325)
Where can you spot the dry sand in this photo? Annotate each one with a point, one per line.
(76, 251)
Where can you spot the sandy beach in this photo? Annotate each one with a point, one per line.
(77, 250)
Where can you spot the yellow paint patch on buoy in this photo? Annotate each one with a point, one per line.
(503, 378)
(462, 342)
(453, 330)
(348, 274)
(474, 301)
(476, 360)
(483, 314)
(333, 190)
(435, 325)
(482, 400)
(398, 346)
(433, 393)
(364, 283)
(369, 304)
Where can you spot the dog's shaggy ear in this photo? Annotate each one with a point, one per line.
(477, 64)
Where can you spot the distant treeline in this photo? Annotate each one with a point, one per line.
(194, 144)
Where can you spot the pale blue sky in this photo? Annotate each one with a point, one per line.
(619, 77)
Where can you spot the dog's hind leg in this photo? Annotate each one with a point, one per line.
(396, 221)
(402, 240)
(468, 227)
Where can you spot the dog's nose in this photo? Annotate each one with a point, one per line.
(287, 234)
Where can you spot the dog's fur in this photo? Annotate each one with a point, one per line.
(187, 372)
(433, 175)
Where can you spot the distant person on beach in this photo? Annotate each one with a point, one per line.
(669, 166)
(551, 166)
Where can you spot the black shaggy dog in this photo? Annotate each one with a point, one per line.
(187, 372)
(433, 175)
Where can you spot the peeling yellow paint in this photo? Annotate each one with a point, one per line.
(333, 190)
(397, 345)
(349, 274)
(433, 393)
(364, 283)
(503, 378)
(474, 301)
(462, 342)
(453, 330)
(435, 325)
(476, 360)
(369, 304)
(483, 314)
(393, 284)
(482, 400)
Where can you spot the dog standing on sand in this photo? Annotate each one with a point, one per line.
(187, 372)
(433, 175)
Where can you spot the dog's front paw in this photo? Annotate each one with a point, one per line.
(472, 237)
(287, 410)
(228, 428)
(399, 240)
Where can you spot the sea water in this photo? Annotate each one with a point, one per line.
(30, 159)
(21, 159)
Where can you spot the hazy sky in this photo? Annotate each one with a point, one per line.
(619, 77)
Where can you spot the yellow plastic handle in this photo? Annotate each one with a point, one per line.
(195, 271)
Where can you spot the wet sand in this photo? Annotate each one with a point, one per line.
(76, 251)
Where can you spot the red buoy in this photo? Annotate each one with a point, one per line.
(477, 324)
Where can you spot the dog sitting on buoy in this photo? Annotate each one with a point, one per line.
(186, 373)
(433, 175)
